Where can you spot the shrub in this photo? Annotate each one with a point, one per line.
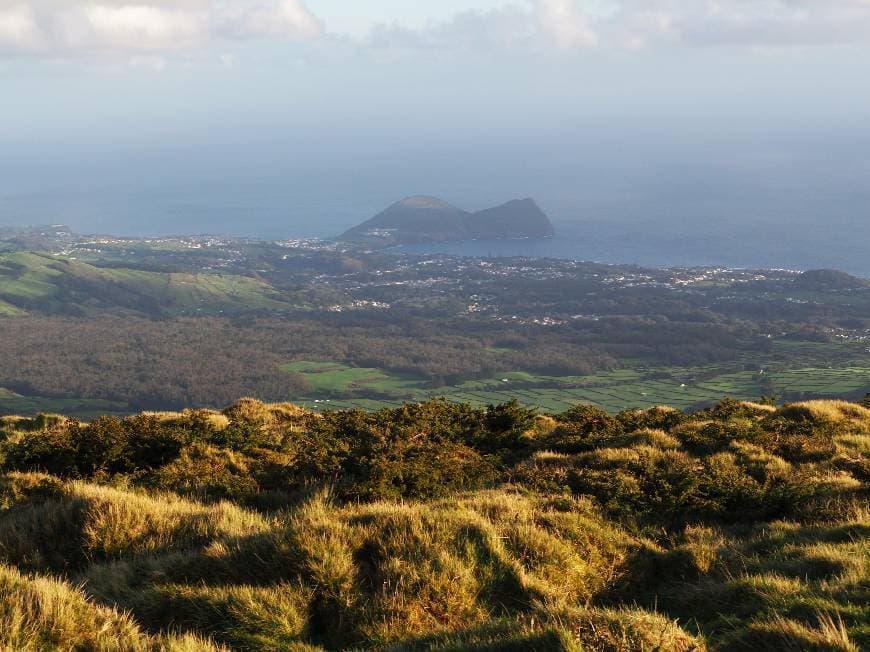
(209, 473)
(106, 445)
(655, 418)
(52, 451)
(710, 436)
(590, 421)
(506, 427)
(390, 454)
(729, 408)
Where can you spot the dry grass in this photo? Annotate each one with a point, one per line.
(12, 424)
(380, 573)
(253, 411)
(759, 409)
(855, 444)
(834, 412)
(44, 614)
(650, 437)
(629, 630)
(211, 419)
(722, 525)
(543, 426)
(56, 526)
(760, 464)
(829, 635)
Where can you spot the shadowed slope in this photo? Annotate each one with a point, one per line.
(428, 219)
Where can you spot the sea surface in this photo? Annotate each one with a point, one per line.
(742, 233)
(754, 203)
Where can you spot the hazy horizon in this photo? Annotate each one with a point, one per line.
(643, 129)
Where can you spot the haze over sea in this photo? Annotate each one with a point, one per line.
(743, 199)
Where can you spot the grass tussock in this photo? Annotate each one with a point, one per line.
(265, 414)
(43, 614)
(758, 409)
(383, 572)
(829, 635)
(838, 412)
(52, 526)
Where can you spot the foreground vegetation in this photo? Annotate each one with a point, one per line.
(438, 526)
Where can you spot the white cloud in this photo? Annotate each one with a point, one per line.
(566, 23)
(19, 31)
(123, 29)
(286, 19)
(70, 28)
(143, 27)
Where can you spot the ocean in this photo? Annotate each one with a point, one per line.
(739, 205)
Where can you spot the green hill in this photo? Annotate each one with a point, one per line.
(48, 284)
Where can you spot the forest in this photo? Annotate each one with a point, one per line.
(438, 526)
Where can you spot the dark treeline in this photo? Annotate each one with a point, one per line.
(208, 361)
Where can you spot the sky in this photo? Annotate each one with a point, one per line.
(475, 99)
(79, 69)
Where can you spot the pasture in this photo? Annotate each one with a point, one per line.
(338, 386)
(13, 403)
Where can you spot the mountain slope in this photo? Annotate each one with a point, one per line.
(520, 218)
(422, 219)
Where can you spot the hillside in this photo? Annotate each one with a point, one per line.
(438, 527)
(48, 284)
(827, 280)
(428, 219)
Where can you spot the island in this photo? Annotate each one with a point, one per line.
(423, 219)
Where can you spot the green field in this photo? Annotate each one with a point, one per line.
(336, 378)
(12, 403)
(338, 386)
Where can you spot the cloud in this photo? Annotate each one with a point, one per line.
(287, 19)
(495, 30)
(633, 25)
(141, 27)
(19, 31)
(122, 30)
(741, 23)
(71, 28)
(566, 23)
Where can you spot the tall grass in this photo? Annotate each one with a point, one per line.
(741, 527)
(39, 614)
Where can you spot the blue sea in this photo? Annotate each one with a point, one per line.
(751, 204)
